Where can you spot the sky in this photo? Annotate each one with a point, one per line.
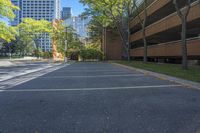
(77, 8)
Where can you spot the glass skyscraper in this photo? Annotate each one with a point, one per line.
(66, 13)
(80, 24)
(38, 9)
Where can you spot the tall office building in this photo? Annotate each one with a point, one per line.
(16, 20)
(38, 9)
(80, 24)
(66, 13)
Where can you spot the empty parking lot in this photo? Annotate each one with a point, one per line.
(98, 98)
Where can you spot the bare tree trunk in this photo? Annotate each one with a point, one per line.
(143, 25)
(144, 40)
(144, 31)
(184, 44)
(128, 39)
(37, 47)
(104, 42)
(183, 16)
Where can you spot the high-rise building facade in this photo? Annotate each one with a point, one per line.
(79, 24)
(16, 20)
(66, 13)
(38, 9)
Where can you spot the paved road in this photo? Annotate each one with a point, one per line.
(99, 98)
(21, 68)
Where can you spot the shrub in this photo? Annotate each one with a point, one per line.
(73, 54)
(47, 55)
(91, 53)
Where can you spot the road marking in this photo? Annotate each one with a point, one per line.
(91, 89)
(1, 87)
(96, 76)
(89, 70)
(22, 79)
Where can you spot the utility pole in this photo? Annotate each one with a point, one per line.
(10, 52)
(65, 59)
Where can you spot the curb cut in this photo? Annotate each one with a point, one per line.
(183, 82)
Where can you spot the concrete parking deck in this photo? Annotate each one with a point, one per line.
(98, 98)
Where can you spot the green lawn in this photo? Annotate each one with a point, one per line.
(193, 73)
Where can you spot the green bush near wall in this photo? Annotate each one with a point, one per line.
(91, 54)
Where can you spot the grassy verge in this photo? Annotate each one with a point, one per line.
(193, 73)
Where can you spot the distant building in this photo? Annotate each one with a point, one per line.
(66, 13)
(16, 20)
(80, 24)
(37, 9)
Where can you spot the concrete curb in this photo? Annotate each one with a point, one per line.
(183, 82)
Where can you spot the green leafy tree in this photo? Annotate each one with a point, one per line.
(117, 12)
(6, 10)
(61, 35)
(95, 27)
(24, 44)
(58, 35)
(7, 33)
(74, 44)
(34, 29)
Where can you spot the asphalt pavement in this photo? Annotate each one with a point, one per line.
(19, 68)
(98, 98)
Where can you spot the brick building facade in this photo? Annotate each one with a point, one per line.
(163, 32)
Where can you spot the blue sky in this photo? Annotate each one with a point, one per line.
(77, 8)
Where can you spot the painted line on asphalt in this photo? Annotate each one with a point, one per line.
(96, 76)
(86, 75)
(89, 70)
(1, 87)
(128, 72)
(91, 89)
(20, 80)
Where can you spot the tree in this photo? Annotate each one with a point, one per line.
(73, 40)
(7, 33)
(143, 25)
(6, 10)
(95, 28)
(59, 35)
(117, 12)
(183, 16)
(35, 29)
(24, 43)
